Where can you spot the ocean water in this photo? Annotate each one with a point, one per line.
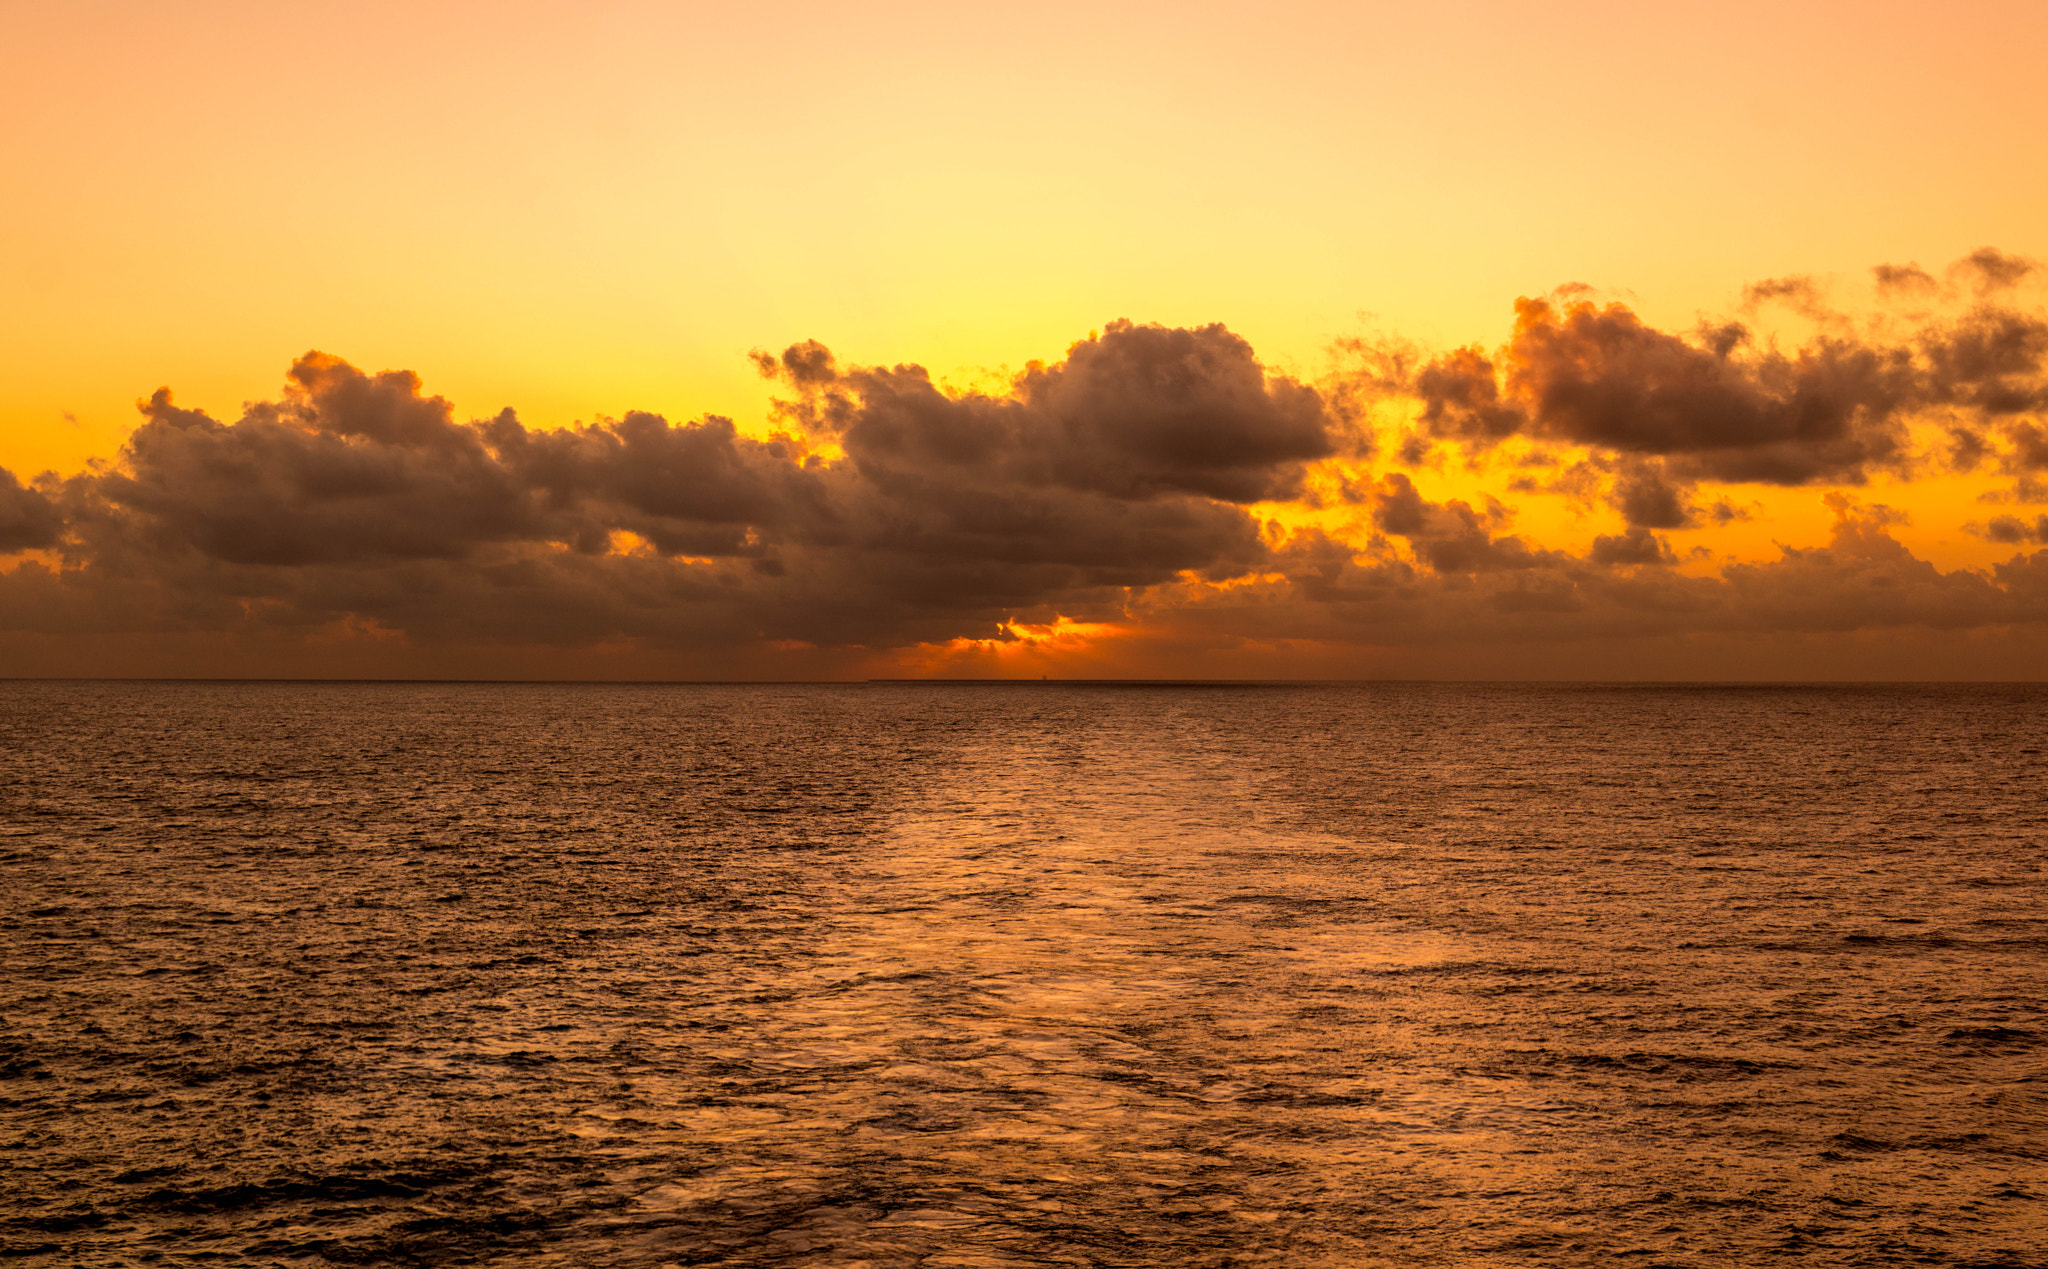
(1052, 974)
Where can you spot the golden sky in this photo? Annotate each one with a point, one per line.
(579, 211)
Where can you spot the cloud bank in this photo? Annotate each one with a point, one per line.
(1157, 500)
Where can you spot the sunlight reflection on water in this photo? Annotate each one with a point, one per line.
(995, 976)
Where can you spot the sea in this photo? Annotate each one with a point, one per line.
(1023, 974)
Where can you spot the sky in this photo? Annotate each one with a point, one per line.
(642, 340)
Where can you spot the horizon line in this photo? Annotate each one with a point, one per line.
(1040, 681)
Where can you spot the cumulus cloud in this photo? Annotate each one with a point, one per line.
(2012, 529)
(1598, 376)
(1450, 537)
(28, 519)
(1152, 477)
(359, 495)
(1135, 414)
(1637, 546)
(1660, 412)
(1648, 498)
(1462, 399)
(1989, 361)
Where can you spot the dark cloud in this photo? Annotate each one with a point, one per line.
(1461, 399)
(1600, 377)
(1122, 466)
(1648, 498)
(1967, 448)
(1801, 294)
(1723, 512)
(1137, 413)
(2025, 490)
(1989, 269)
(1450, 537)
(688, 489)
(1904, 279)
(1415, 450)
(348, 467)
(2029, 449)
(1717, 406)
(28, 519)
(2012, 529)
(1989, 361)
(1121, 483)
(358, 496)
(1637, 546)
(807, 365)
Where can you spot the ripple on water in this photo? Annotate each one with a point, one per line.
(994, 976)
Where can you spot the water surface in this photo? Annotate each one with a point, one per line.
(1024, 975)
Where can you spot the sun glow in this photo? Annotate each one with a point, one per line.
(1018, 649)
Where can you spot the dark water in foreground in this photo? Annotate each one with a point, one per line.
(953, 976)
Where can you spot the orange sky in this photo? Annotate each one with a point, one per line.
(580, 210)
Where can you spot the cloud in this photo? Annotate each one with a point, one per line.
(1799, 293)
(1990, 361)
(1462, 400)
(28, 519)
(1450, 537)
(359, 496)
(1989, 269)
(2012, 529)
(1863, 579)
(1664, 411)
(2029, 451)
(1637, 546)
(1600, 377)
(807, 365)
(1134, 414)
(1904, 279)
(1648, 498)
(1157, 482)
(346, 468)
